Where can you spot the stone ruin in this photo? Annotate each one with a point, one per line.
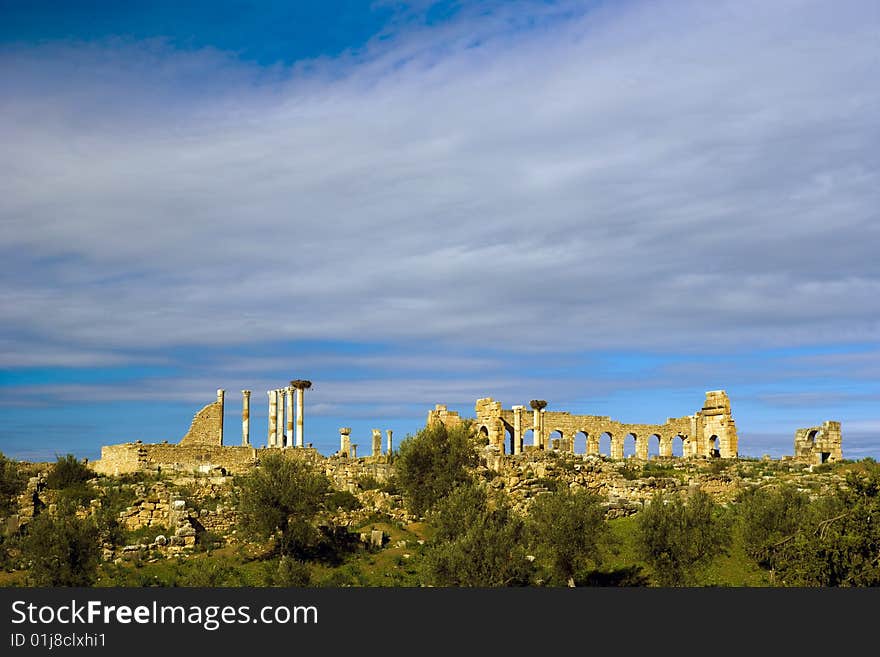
(816, 445)
(202, 450)
(710, 432)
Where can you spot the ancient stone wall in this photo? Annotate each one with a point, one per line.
(819, 444)
(441, 414)
(709, 432)
(207, 426)
(141, 457)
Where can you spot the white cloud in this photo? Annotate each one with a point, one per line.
(664, 175)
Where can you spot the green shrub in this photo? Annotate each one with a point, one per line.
(433, 462)
(343, 499)
(67, 472)
(675, 536)
(62, 551)
(12, 483)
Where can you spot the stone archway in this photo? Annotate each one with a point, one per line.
(606, 444)
(630, 445)
(581, 444)
(713, 447)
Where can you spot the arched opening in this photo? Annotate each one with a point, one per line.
(581, 443)
(678, 446)
(528, 439)
(605, 444)
(812, 435)
(714, 452)
(654, 446)
(510, 441)
(484, 435)
(629, 445)
(554, 439)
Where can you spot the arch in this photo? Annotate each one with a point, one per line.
(654, 450)
(528, 439)
(509, 443)
(630, 443)
(581, 443)
(605, 442)
(484, 434)
(713, 447)
(813, 435)
(554, 434)
(678, 449)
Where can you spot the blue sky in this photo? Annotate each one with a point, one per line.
(612, 206)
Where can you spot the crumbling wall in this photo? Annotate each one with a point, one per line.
(138, 457)
(206, 427)
(715, 419)
(822, 444)
(711, 428)
(444, 416)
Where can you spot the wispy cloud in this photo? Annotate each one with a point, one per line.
(662, 175)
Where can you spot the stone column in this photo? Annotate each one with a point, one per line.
(390, 444)
(354, 450)
(517, 429)
(377, 442)
(279, 425)
(536, 429)
(221, 395)
(245, 417)
(273, 417)
(288, 395)
(617, 446)
(344, 440)
(642, 447)
(299, 417)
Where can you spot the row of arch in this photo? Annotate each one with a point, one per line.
(605, 444)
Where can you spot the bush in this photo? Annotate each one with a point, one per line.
(767, 516)
(281, 499)
(568, 532)
(12, 483)
(368, 482)
(838, 542)
(67, 472)
(476, 543)
(292, 573)
(342, 499)
(431, 463)
(675, 536)
(63, 551)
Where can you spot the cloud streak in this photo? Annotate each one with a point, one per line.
(665, 175)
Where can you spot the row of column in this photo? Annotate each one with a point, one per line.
(537, 428)
(348, 448)
(278, 400)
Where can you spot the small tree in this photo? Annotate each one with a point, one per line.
(63, 551)
(676, 536)
(12, 483)
(568, 532)
(838, 542)
(477, 543)
(281, 499)
(431, 463)
(68, 472)
(767, 516)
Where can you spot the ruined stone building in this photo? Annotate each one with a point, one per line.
(817, 445)
(710, 431)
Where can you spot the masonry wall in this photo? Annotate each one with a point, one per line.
(820, 444)
(135, 457)
(206, 427)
